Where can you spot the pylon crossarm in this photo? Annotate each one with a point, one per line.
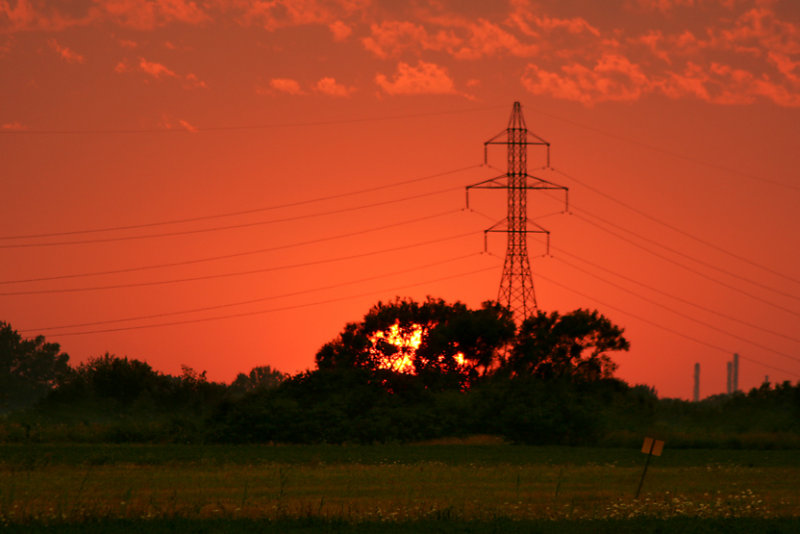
(491, 183)
(542, 141)
(499, 226)
(492, 142)
(552, 185)
(539, 229)
(494, 181)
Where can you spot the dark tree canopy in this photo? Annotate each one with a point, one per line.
(573, 345)
(443, 344)
(29, 368)
(259, 378)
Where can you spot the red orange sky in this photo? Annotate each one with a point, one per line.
(325, 132)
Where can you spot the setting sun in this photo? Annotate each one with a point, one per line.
(406, 342)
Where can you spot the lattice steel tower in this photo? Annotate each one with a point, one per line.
(516, 284)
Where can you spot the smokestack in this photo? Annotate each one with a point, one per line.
(730, 377)
(735, 372)
(696, 382)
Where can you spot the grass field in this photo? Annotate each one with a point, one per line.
(348, 488)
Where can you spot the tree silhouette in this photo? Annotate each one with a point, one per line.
(574, 345)
(261, 377)
(454, 344)
(29, 368)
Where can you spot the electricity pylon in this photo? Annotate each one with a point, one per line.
(516, 284)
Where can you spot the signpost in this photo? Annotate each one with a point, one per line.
(651, 447)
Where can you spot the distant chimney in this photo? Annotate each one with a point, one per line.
(735, 373)
(730, 378)
(697, 382)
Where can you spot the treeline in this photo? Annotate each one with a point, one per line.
(407, 372)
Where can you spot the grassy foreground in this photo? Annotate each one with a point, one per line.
(393, 488)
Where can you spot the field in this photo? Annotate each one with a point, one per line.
(393, 488)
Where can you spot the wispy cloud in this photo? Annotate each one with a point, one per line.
(170, 123)
(67, 54)
(13, 126)
(187, 126)
(159, 71)
(154, 69)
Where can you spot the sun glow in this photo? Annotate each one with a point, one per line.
(407, 341)
(407, 344)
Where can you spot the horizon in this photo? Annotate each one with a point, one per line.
(321, 155)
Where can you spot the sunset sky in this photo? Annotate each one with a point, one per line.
(262, 172)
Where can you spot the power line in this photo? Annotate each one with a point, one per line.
(678, 230)
(229, 227)
(262, 126)
(249, 253)
(210, 276)
(251, 301)
(670, 295)
(667, 329)
(690, 257)
(695, 271)
(238, 213)
(671, 153)
(675, 297)
(693, 319)
(284, 308)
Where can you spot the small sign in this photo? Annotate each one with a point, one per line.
(653, 446)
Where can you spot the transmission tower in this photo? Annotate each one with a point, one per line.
(516, 284)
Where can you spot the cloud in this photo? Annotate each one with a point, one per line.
(653, 40)
(150, 14)
(156, 70)
(12, 126)
(574, 25)
(340, 30)
(529, 19)
(36, 15)
(391, 38)
(170, 123)
(459, 38)
(719, 83)
(613, 78)
(159, 71)
(425, 78)
(790, 69)
(489, 39)
(186, 126)
(192, 81)
(68, 55)
(286, 85)
(275, 14)
(330, 86)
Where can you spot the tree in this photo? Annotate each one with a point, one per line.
(261, 377)
(442, 345)
(29, 368)
(574, 345)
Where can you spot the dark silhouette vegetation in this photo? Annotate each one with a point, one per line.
(408, 371)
